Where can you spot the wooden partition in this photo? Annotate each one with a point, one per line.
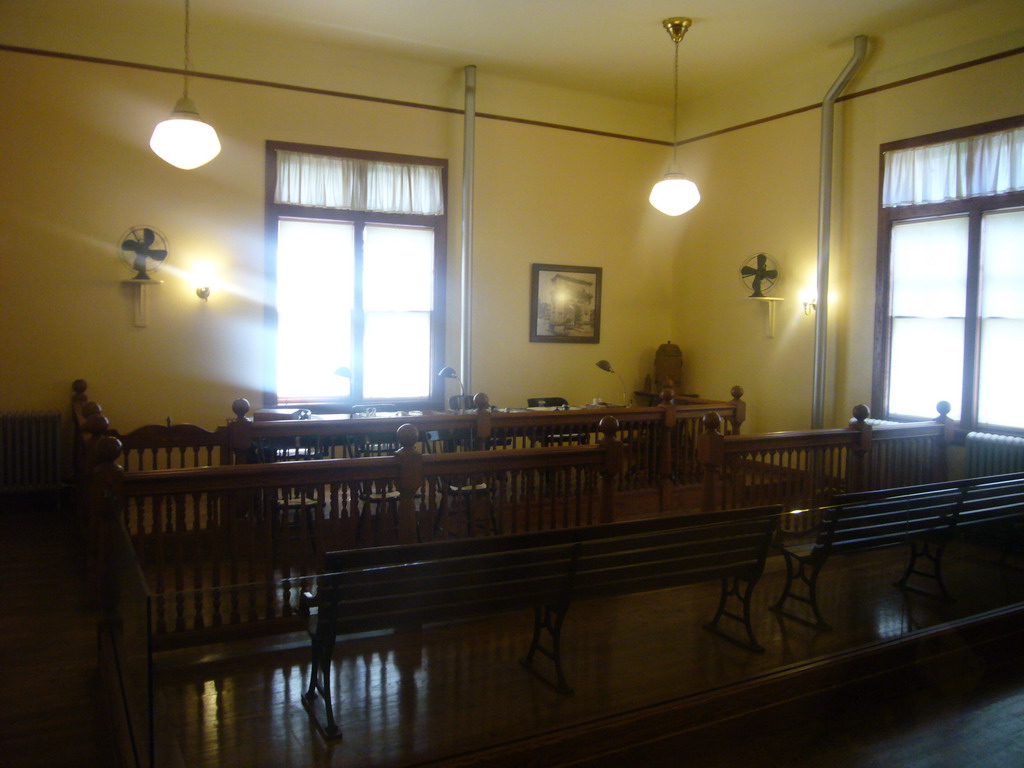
(227, 548)
(803, 470)
(660, 443)
(228, 545)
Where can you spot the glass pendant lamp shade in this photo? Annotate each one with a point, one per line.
(183, 139)
(674, 195)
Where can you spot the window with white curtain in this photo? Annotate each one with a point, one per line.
(951, 277)
(356, 255)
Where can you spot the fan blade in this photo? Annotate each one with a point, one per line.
(130, 245)
(157, 255)
(148, 237)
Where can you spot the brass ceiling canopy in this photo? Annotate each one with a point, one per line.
(676, 27)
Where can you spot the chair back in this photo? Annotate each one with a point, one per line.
(546, 402)
(461, 403)
(377, 407)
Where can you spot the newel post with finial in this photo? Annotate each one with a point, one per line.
(739, 410)
(410, 480)
(481, 421)
(857, 472)
(239, 434)
(941, 462)
(711, 456)
(665, 454)
(104, 502)
(613, 458)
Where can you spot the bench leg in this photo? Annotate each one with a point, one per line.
(320, 682)
(549, 619)
(922, 550)
(804, 571)
(743, 595)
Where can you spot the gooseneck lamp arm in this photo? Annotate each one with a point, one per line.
(449, 373)
(604, 365)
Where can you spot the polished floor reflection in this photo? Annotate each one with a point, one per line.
(409, 698)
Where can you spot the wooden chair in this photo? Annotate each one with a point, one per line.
(547, 402)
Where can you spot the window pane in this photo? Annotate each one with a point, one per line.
(398, 268)
(315, 262)
(1002, 264)
(1002, 369)
(926, 366)
(929, 267)
(396, 355)
(1002, 319)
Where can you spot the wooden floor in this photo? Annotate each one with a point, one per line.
(51, 707)
(416, 699)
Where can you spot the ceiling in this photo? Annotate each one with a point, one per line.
(614, 47)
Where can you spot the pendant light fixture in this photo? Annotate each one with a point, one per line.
(675, 194)
(183, 139)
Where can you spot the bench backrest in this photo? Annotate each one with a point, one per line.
(964, 483)
(387, 586)
(887, 521)
(706, 548)
(992, 502)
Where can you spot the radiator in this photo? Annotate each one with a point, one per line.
(29, 452)
(989, 454)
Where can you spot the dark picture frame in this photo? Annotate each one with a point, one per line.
(565, 304)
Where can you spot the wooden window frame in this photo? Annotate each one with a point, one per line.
(974, 208)
(277, 211)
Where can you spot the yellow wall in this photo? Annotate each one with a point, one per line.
(78, 173)
(760, 193)
(83, 174)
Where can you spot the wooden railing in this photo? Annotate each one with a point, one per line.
(226, 548)
(228, 545)
(804, 470)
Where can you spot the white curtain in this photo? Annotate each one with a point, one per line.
(990, 164)
(358, 185)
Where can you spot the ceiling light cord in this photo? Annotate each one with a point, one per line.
(188, 55)
(675, 108)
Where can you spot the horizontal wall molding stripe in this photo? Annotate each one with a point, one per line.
(505, 118)
(865, 92)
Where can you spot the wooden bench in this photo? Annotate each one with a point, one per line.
(991, 507)
(412, 585)
(924, 517)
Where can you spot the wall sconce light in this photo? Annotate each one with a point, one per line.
(203, 292)
(604, 365)
(810, 300)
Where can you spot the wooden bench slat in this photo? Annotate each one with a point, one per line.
(386, 587)
(924, 518)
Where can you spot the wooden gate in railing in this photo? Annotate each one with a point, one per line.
(224, 548)
(803, 470)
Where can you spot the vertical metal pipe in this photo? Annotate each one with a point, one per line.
(825, 230)
(468, 160)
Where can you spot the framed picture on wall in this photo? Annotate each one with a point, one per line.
(565, 304)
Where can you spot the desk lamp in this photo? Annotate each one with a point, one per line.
(604, 365)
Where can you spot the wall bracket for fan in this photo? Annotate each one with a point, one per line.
(141, 288)
(769, 301)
